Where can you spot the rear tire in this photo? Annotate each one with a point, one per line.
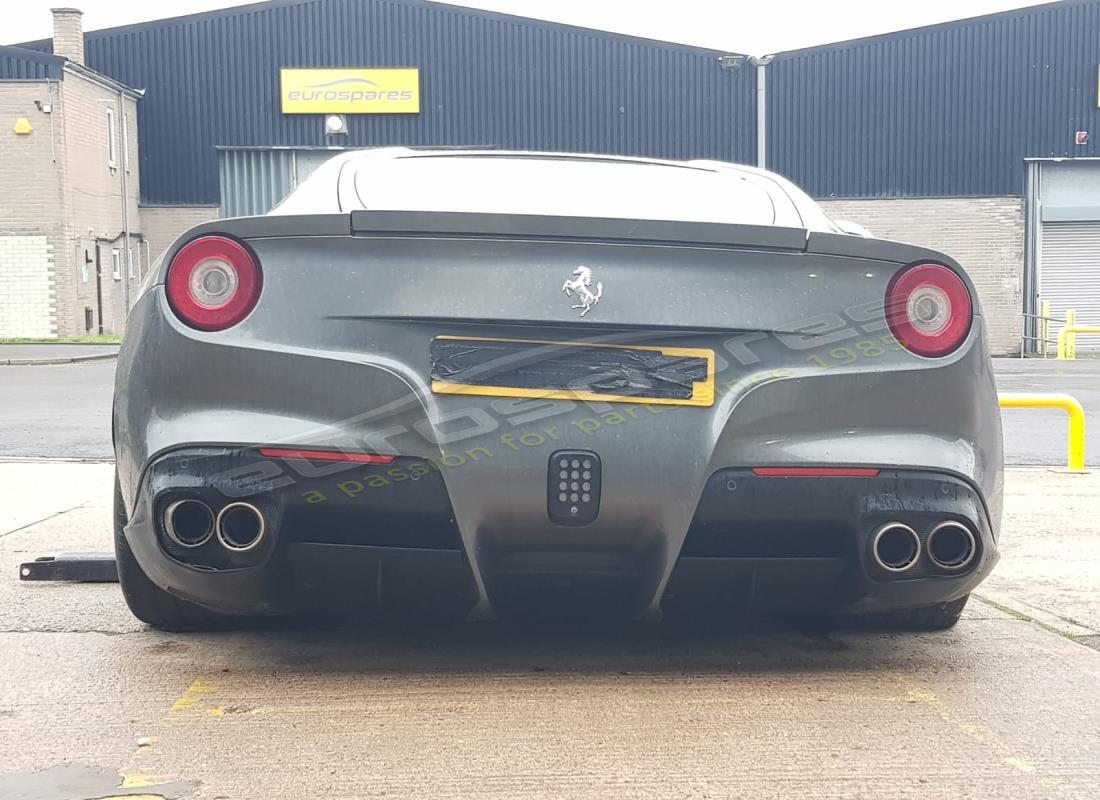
(939, 617)
(147, 601)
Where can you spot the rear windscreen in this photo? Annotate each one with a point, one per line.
(564, 187)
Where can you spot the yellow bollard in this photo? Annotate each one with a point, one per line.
(1076, 450)
(1067, 339)
(1071, 337)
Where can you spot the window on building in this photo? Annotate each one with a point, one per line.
(130, 267)
(116, 264)
(112, 140)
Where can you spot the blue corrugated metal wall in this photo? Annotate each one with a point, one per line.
(212, 80)
(17, 64)
(948, 110)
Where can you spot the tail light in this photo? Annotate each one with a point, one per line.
(214, 283)
(928, 309)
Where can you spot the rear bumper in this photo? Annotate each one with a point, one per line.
(355, 533)
(191, 423)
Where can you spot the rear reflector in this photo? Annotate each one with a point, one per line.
(814, 472)
(326, 455)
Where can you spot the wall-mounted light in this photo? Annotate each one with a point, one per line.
(336, 124)
(45, 108)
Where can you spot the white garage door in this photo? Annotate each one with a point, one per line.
(1069, 274)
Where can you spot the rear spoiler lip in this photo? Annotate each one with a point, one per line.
(272, 226)
(471, 225)
(606, 229)
(848, 246)
(461, 224)
(519, 226)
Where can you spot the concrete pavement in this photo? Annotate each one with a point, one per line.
(1050, 552)
(1003, 706)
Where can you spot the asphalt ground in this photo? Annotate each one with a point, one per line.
(57, 410)
(95, 705)
(64, 410)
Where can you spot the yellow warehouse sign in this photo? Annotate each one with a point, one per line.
(350, 91)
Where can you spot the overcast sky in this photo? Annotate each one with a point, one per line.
(740, 26)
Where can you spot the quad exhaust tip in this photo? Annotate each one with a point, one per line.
(951, 545)
(896, 547)
(189, 523)
(241, 527)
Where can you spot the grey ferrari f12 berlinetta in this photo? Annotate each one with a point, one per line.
(497, 381)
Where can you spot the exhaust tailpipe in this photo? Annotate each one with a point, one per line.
(189, 523)
(951, 545)
(896, 547)
(241, 527)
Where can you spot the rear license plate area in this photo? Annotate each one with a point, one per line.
(571, 370)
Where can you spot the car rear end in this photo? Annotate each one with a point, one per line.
(406, 404)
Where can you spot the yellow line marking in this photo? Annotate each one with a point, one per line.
(138, 780)
(975, 731)
(928, 698)
(131, 778)
(192, 696)
(1021, 764)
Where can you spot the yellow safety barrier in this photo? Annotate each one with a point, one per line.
(1067, 339)
(1066, 403)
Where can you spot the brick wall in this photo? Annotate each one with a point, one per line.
(68, 34)
(30, 221)
(984, 234)
(93, 203)
(59, 184)
(162, 225)
(26, 292)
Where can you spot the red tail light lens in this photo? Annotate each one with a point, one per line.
(928, 309)
(815, 472)
(214, 283)
(325, 455)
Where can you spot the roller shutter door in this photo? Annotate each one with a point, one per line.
(1069, 274)
(254, 181)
